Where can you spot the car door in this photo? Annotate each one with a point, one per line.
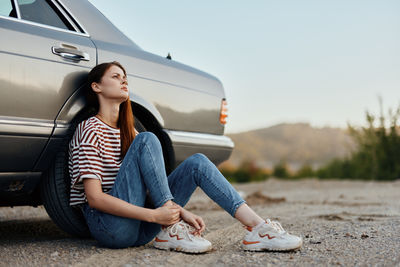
(45, 55)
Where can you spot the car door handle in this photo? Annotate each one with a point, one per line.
(69, 53)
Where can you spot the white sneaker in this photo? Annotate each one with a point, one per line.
(270, 236)
(178, 237)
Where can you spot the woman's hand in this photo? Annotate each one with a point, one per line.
(194, 220)
(167, 215)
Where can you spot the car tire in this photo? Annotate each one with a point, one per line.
(55, 189)
(55, 196)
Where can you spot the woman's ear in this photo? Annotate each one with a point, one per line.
(95, 87)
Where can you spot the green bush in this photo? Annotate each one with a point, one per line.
(281, 170)
(305, 171)
(246, 172)
(378, 151)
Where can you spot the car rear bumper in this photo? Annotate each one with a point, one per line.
(217, 148)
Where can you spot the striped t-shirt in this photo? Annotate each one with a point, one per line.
(94, 152)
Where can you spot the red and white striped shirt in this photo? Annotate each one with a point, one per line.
(94, 152)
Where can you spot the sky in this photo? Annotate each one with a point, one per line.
(283, 61)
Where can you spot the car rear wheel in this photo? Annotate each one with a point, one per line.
(55, 189)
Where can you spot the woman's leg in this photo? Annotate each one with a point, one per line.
(204, 173)
(141, 170)
(198, 170)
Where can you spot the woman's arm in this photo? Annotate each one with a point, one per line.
(165, 215)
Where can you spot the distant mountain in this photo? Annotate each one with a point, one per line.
(296, 144)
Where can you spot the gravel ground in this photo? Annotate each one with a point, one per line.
(342, 223)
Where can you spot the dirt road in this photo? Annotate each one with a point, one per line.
(341, 222)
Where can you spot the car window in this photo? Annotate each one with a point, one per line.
(42, 11)
(7, 9)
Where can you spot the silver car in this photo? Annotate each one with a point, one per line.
(47, 48)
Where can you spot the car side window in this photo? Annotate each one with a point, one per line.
(41, 11)
(7, 9)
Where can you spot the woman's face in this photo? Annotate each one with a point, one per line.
(113, 85)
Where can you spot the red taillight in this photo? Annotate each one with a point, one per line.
(223, 112)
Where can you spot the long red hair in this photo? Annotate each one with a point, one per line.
(126, 121)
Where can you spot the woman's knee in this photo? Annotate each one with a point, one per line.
(199, 159)
(148, 138)
(199, 162)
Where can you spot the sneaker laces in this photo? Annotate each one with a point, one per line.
(187, 228)
(276, 225)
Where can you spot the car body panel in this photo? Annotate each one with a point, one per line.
(34, 85)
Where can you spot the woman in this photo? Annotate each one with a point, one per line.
(116, 172)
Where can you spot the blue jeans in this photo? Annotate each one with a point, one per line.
(142, 178)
